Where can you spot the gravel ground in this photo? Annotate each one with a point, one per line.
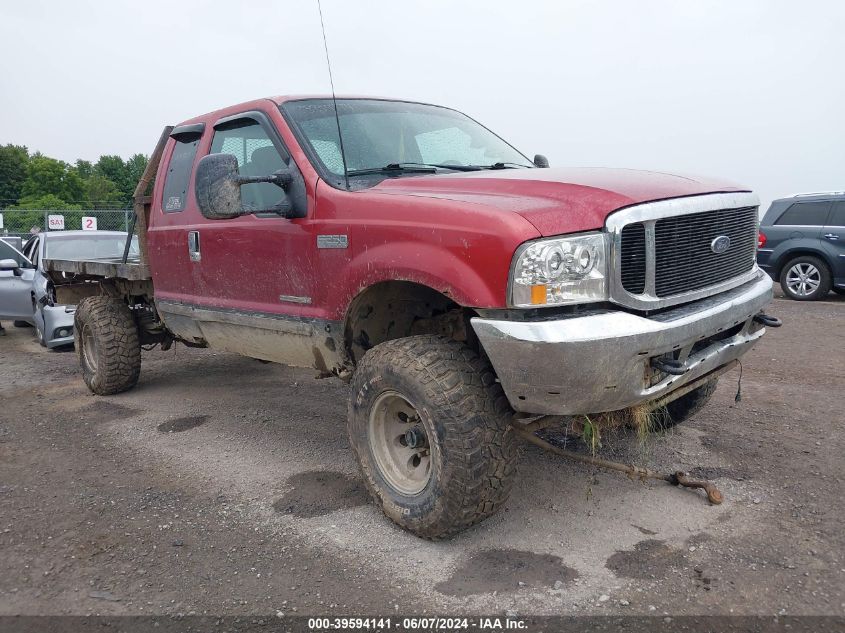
(224, 486)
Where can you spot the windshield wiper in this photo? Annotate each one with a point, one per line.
(398, 168)
(419, 168)
(503, 166)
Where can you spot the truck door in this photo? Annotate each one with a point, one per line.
(833, 241)
(261, 262)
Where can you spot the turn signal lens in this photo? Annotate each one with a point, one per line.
(538, 294)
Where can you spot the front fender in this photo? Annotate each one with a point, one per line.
(431, 265)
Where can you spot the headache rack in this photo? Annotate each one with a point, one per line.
(67, 271)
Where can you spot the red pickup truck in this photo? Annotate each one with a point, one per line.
(461, 287)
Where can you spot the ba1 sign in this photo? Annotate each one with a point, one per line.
(56, 222)
(89, 223)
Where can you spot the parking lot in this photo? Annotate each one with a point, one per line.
(223, 485)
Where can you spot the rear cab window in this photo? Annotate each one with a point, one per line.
(179, 168)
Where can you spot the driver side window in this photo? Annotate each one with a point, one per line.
(247, 141)
(9, 252)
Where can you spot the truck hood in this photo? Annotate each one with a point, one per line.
(555, 200)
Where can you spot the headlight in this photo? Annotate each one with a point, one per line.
(559, 271)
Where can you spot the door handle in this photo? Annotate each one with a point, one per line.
(831, 236)
(194, 246)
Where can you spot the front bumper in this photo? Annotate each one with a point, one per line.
(58, 319)
(602, 361)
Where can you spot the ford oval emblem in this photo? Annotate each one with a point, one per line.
(720, 244)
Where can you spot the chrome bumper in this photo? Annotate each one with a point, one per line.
(602, 361)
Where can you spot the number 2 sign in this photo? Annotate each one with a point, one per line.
(89, 224)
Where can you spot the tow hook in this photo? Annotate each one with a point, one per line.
(767, 319)
(669, 366)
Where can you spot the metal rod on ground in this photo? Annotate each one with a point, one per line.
(676, 479)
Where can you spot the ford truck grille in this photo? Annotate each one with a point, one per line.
(678, 254)
(684, 259)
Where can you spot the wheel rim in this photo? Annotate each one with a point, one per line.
(803, 279)
(399, 443)
(89, 348)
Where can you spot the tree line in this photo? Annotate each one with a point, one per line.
(35, 181)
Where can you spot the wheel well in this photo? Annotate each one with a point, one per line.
(800, 252)
(396, 309)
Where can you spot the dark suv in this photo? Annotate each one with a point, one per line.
(802, 244)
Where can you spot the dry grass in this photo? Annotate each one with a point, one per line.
(642, 418)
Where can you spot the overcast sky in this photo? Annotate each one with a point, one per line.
(753, 91)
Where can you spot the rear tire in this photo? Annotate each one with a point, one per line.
(107, 345)
(684, 407)
(430, 428)
(805, 278)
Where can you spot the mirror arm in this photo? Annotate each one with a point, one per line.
(282, 179)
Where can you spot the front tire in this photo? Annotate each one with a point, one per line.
(685, 407)
(805, 278)
(107, 345)
(430, 428)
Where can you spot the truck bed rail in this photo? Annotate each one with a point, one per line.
(113, 268)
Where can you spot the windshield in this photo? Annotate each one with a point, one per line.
(381, 133)
(90, 246)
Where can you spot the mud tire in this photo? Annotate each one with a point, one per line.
(107, 345)
(685, 407)
(466, 417)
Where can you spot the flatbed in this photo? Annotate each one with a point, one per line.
(108, 268)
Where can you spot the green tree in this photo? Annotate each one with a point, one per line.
(46, 176)
(84, 168)
(13, 163)
(47, 202)
(135, 167)
(103, 193)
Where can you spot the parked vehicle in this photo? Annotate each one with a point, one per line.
(802, 244)
(13, 240)
(459, 286)
(54, 322)
(16, 274)
(29, 293)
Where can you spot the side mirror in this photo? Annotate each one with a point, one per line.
(540, 160)
(9, 264)
(218, 187)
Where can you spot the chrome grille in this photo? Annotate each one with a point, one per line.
(663, 250)
(683, 258)
(633, 258)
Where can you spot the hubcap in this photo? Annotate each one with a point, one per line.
(803, 279)
(89, 348)
(399, 443)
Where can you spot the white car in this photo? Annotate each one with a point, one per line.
(26, 291)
